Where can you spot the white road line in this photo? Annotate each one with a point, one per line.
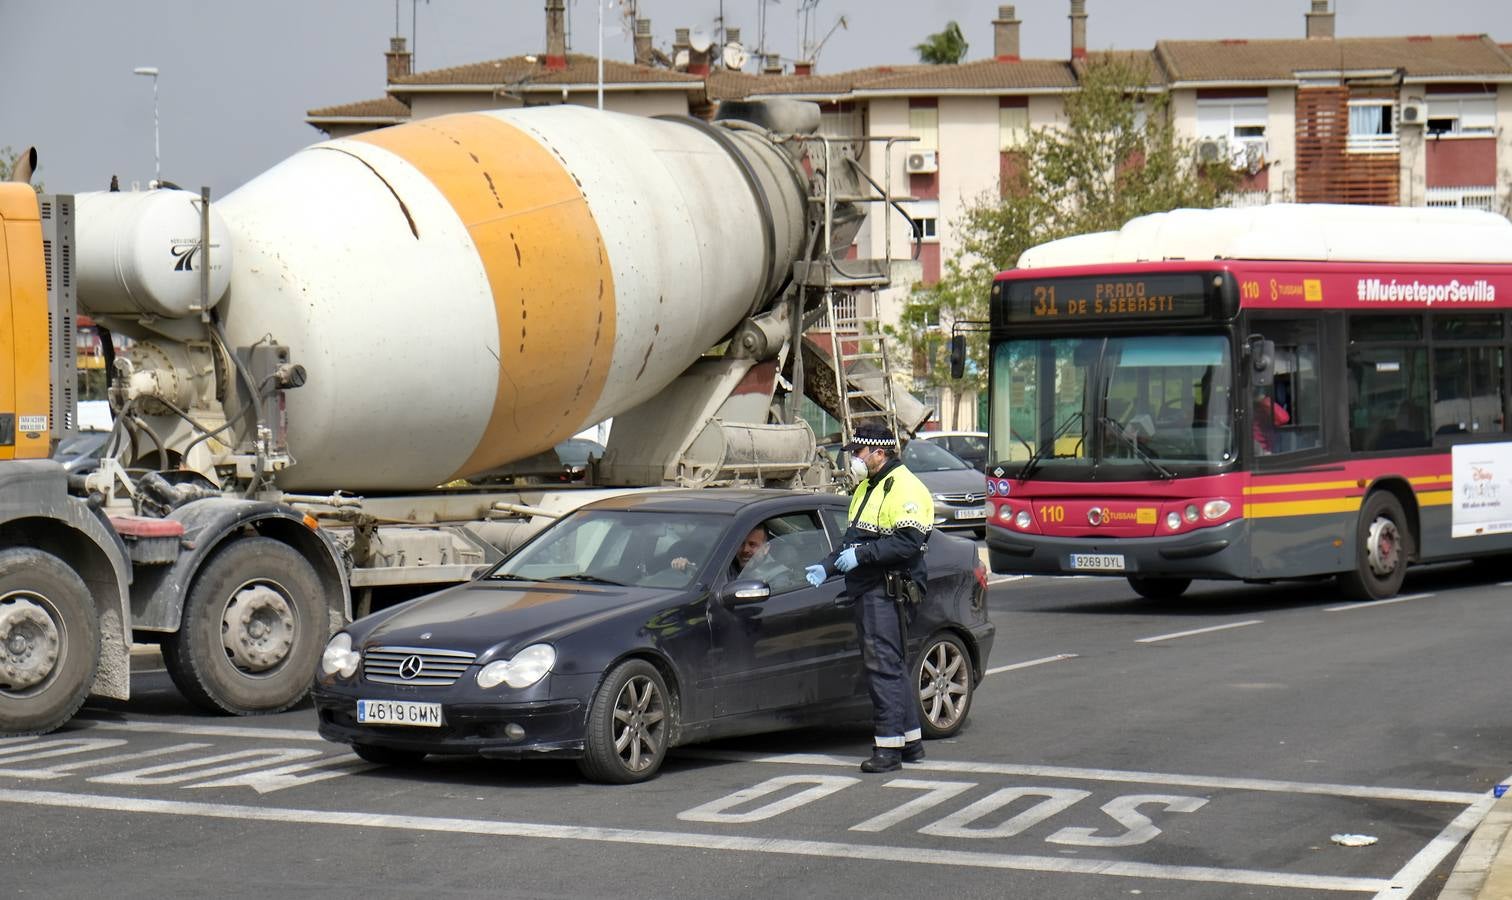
(1369, 603)
(999, 579)
(696, 841)
(1365, 792)
(241, 731)
(146, 671)
(1033, 662)
(1181, 634)
(1505, 584)
(1405, 882)
(816, 759)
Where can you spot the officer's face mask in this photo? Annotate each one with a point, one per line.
(858, 468)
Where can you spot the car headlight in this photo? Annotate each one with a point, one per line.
(524, 669)
(340, 658)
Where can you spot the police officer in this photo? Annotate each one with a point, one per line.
(882, 556)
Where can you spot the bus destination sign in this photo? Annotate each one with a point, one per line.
(1110, 299)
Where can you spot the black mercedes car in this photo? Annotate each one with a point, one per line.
(639, 623)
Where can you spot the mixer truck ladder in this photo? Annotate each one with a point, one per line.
(863, 341)
(858, 348)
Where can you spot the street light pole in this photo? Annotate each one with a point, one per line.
(157, 169)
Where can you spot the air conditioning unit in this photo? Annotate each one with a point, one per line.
(1414, 112)
(1212, 150)
(921, 162)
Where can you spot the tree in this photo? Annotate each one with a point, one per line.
(1116, 157)
(945, 48)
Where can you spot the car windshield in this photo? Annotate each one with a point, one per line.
(623, 547)
(1123, 408)
(926, 456)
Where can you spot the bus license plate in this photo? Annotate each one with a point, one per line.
(977, 512)
(398, 712)
(1107, 562)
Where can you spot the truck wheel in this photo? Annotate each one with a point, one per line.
(943, 677)
(1155, 588)
(627, 725)
(49, 642)
(251, 632)
(1383, 543)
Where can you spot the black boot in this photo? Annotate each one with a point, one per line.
(913, 751)
(883, 759)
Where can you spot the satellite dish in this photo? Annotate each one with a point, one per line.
(700, 40)
(680, 61)
(735, 56)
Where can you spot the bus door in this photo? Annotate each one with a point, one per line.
(1291, 501)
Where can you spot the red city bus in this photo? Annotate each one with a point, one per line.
(1258, 395)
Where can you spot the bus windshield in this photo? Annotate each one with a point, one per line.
(1114, 408)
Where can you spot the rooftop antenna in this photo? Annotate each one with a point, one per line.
(806, 27)
(761, 46)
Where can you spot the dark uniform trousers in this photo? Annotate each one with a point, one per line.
(895, 714)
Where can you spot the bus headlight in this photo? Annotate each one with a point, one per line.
(1173, 520)
(1023, 520)
(1191, 512)
(524, 669)
(1216, 509)
(339, 657)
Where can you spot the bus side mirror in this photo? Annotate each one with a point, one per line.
(1262, 355)
(957, 355)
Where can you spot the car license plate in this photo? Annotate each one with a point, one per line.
(979, 512)
(1108, 562)
(398, 712)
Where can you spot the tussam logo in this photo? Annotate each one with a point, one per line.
(1376, 290)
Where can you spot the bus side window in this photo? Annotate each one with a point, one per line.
(1285, 417)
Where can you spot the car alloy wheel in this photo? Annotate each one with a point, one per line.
(943, 676)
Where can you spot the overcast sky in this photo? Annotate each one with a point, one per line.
(236, 76)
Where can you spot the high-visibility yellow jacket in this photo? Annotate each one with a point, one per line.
(891, 515)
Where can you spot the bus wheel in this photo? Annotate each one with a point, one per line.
(49, 642)
(252, 630)
(1159, 588)
(1382, 546)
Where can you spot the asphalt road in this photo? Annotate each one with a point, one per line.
(1212, 747)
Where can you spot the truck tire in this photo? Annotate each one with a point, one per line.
(49, 642)
(251, 632)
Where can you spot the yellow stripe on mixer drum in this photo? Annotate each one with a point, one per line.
(547, 269)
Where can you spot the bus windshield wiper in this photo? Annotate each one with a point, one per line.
(1133, 443)
(1034, 459)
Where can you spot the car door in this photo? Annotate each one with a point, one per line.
(793, 648)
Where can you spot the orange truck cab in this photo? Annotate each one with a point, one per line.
(25, 357)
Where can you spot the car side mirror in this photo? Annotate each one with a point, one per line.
(1262, 354)
(957, 355)
(745, 590)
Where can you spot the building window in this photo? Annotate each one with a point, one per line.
(924, 124)
(1240, 123)
(1013, 127)
(1372, 126)
(926, 220)
(1471, 116)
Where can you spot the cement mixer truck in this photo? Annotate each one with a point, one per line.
(320, 361)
